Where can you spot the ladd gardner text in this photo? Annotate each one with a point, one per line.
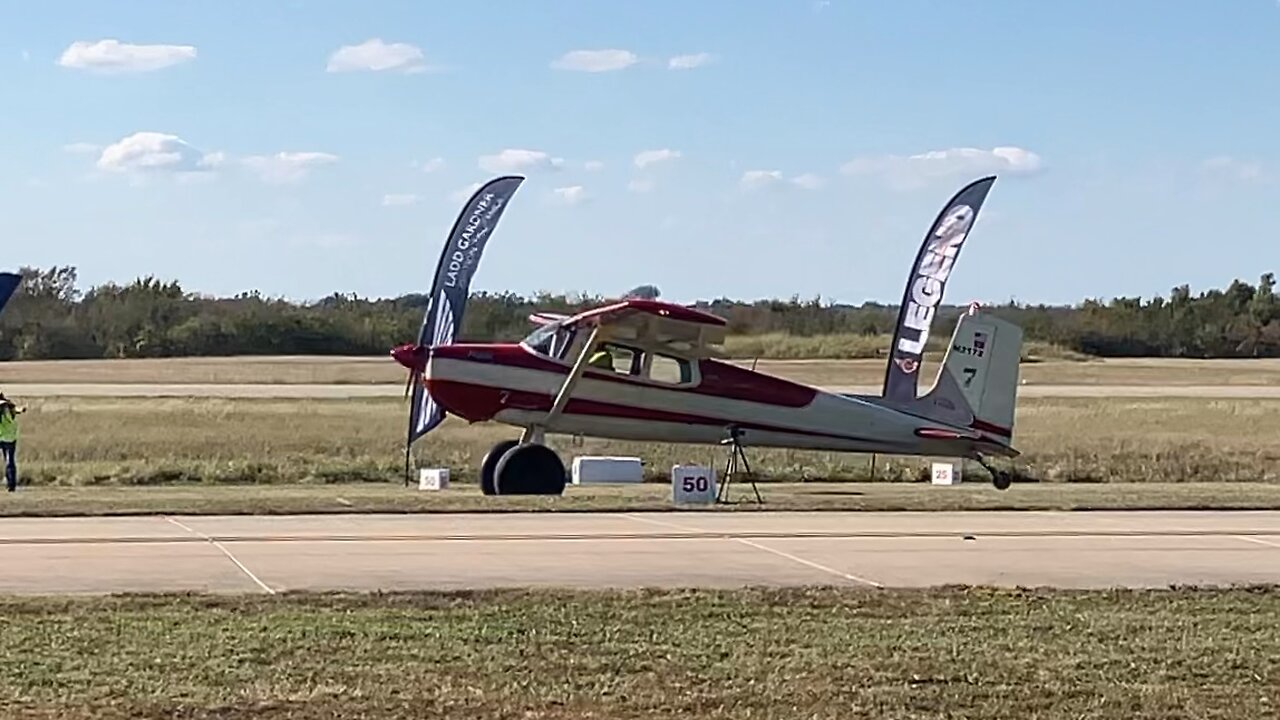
(468, 240)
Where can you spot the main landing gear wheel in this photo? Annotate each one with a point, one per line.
(999, 478)
(490, 464)
(529, 470)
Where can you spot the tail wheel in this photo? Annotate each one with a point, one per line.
(490, 464)
(529, 470)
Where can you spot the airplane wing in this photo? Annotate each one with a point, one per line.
(452, 285)
(643, 292)
(657, 323)
(546, 318)
(8, 284)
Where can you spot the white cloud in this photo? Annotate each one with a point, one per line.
(113, 56)
(154, 152)
(464, 194)
(650, 157)
(640, 186)
(593, 166)
(513, 160)
(81, 148)
(808, 181)
(1235, 168)
(758, 179)
(573, 195)
(374, 55)
(595, 60)
(688, 62)
(214, 160)
(753, 179)
(398, 199)
(287, 167)
(433, 165)
(913, 170)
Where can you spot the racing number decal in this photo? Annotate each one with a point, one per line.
(969, 374)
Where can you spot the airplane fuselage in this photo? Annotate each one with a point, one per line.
(512, 384)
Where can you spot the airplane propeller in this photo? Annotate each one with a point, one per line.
(414, 357)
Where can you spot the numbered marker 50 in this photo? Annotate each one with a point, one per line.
(693, 484)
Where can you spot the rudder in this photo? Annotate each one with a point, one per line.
(980, 370)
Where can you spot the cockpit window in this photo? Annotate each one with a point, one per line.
(556, 341)
(550, 340)
(541, 339)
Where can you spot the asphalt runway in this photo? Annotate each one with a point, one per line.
(387, 390)
(265, 554)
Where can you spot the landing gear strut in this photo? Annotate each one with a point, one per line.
(999, 478)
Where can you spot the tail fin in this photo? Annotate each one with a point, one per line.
(979, 374)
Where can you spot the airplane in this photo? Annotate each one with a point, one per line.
(643, 369)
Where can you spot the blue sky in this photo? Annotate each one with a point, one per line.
(741, 148)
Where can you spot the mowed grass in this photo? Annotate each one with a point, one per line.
(751, 653)
(393, 498)
(149, 441)
(1048, 370)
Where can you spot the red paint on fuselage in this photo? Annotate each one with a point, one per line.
(716, 378)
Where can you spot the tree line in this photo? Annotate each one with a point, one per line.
(50, 317)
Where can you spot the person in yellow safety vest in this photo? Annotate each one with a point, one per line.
(9, 440)
(601, 359)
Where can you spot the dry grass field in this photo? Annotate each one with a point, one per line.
(87, 441)
(377, 370)
(752, 653)
(188, 443)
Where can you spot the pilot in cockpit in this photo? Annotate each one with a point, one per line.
(602, 359)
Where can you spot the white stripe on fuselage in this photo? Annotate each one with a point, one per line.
(857, 425)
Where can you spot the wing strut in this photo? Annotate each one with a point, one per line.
(535, 433)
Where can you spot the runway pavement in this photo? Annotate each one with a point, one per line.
(267, 554)
(387, 390)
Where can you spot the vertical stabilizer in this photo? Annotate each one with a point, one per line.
(977, 384)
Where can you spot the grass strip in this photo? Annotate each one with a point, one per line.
(394, 498)
(752, 653)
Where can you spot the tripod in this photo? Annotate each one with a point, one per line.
(736, 454)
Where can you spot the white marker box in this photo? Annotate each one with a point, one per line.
(693, 484)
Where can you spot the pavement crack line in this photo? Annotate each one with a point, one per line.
(1258, 541)
(249, 573)
(765, 548)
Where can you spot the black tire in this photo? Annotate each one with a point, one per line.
(490, 464)
(529, 470)
(1002, 480)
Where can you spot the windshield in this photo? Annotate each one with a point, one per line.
(541, 338)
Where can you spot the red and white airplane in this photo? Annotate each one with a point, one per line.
(648, 370)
